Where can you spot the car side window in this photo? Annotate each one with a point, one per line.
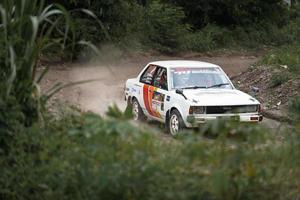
(147, 76)
(160, 79)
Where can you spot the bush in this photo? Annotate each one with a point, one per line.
(232, 13)
(170, 26)
(12, 121)
(165, 27)
(209, 38)
(86, 157)
(294, 109)
(285, 56)
(289, 34)
(278, 79)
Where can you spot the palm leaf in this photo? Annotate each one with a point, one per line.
(13, 71)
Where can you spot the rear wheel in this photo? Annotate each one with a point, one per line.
(175, 123)
(138, 114)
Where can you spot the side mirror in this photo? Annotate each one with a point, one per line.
(180, 91)
(254, 90)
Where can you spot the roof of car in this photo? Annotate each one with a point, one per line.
(183, 63)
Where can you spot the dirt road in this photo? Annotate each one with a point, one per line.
(97, 96)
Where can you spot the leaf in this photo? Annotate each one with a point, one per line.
(13, 70)
(68, 27)
(45, 71)
(4, 21)
(46, 13)
(35, 27)
(90, 45)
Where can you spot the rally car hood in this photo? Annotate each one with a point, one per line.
(213, 97)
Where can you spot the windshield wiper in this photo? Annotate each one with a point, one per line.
(194, 87)
(218, 85)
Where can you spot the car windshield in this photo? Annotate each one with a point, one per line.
(193, 78)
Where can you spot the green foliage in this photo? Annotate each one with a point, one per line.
(278, 79)
(289, 34)
(120, 18)
(285, 56)
(165, 27)
(83, 156)
(209, 38)
(170, 26)
(294, 109)
(12, 121)
(25, 29)
(115, 112)
(87, 157)
(232, 12)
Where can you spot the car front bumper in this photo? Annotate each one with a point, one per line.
(195, 120)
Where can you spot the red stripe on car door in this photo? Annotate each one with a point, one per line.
(146, 98)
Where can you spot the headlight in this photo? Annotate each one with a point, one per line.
(197, 110)
(248, 109)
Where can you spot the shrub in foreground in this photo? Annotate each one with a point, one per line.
(86, 157)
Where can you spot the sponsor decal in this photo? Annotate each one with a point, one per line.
(158, 101)
(153, 100)
(133, 90)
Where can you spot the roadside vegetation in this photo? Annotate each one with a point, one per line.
(83, 156)
(172, 26)
(77, 155)
(277, 75)
(286, 57)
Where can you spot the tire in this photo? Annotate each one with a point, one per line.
(175, 123)
(137, 112)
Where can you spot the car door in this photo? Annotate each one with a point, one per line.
(146, 84)
(158, 94)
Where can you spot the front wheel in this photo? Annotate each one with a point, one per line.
(175, 123)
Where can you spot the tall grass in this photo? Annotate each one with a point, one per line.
(25, 29)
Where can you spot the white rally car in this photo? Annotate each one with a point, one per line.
(187, 93)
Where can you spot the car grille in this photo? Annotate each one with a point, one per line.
(231, 109)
